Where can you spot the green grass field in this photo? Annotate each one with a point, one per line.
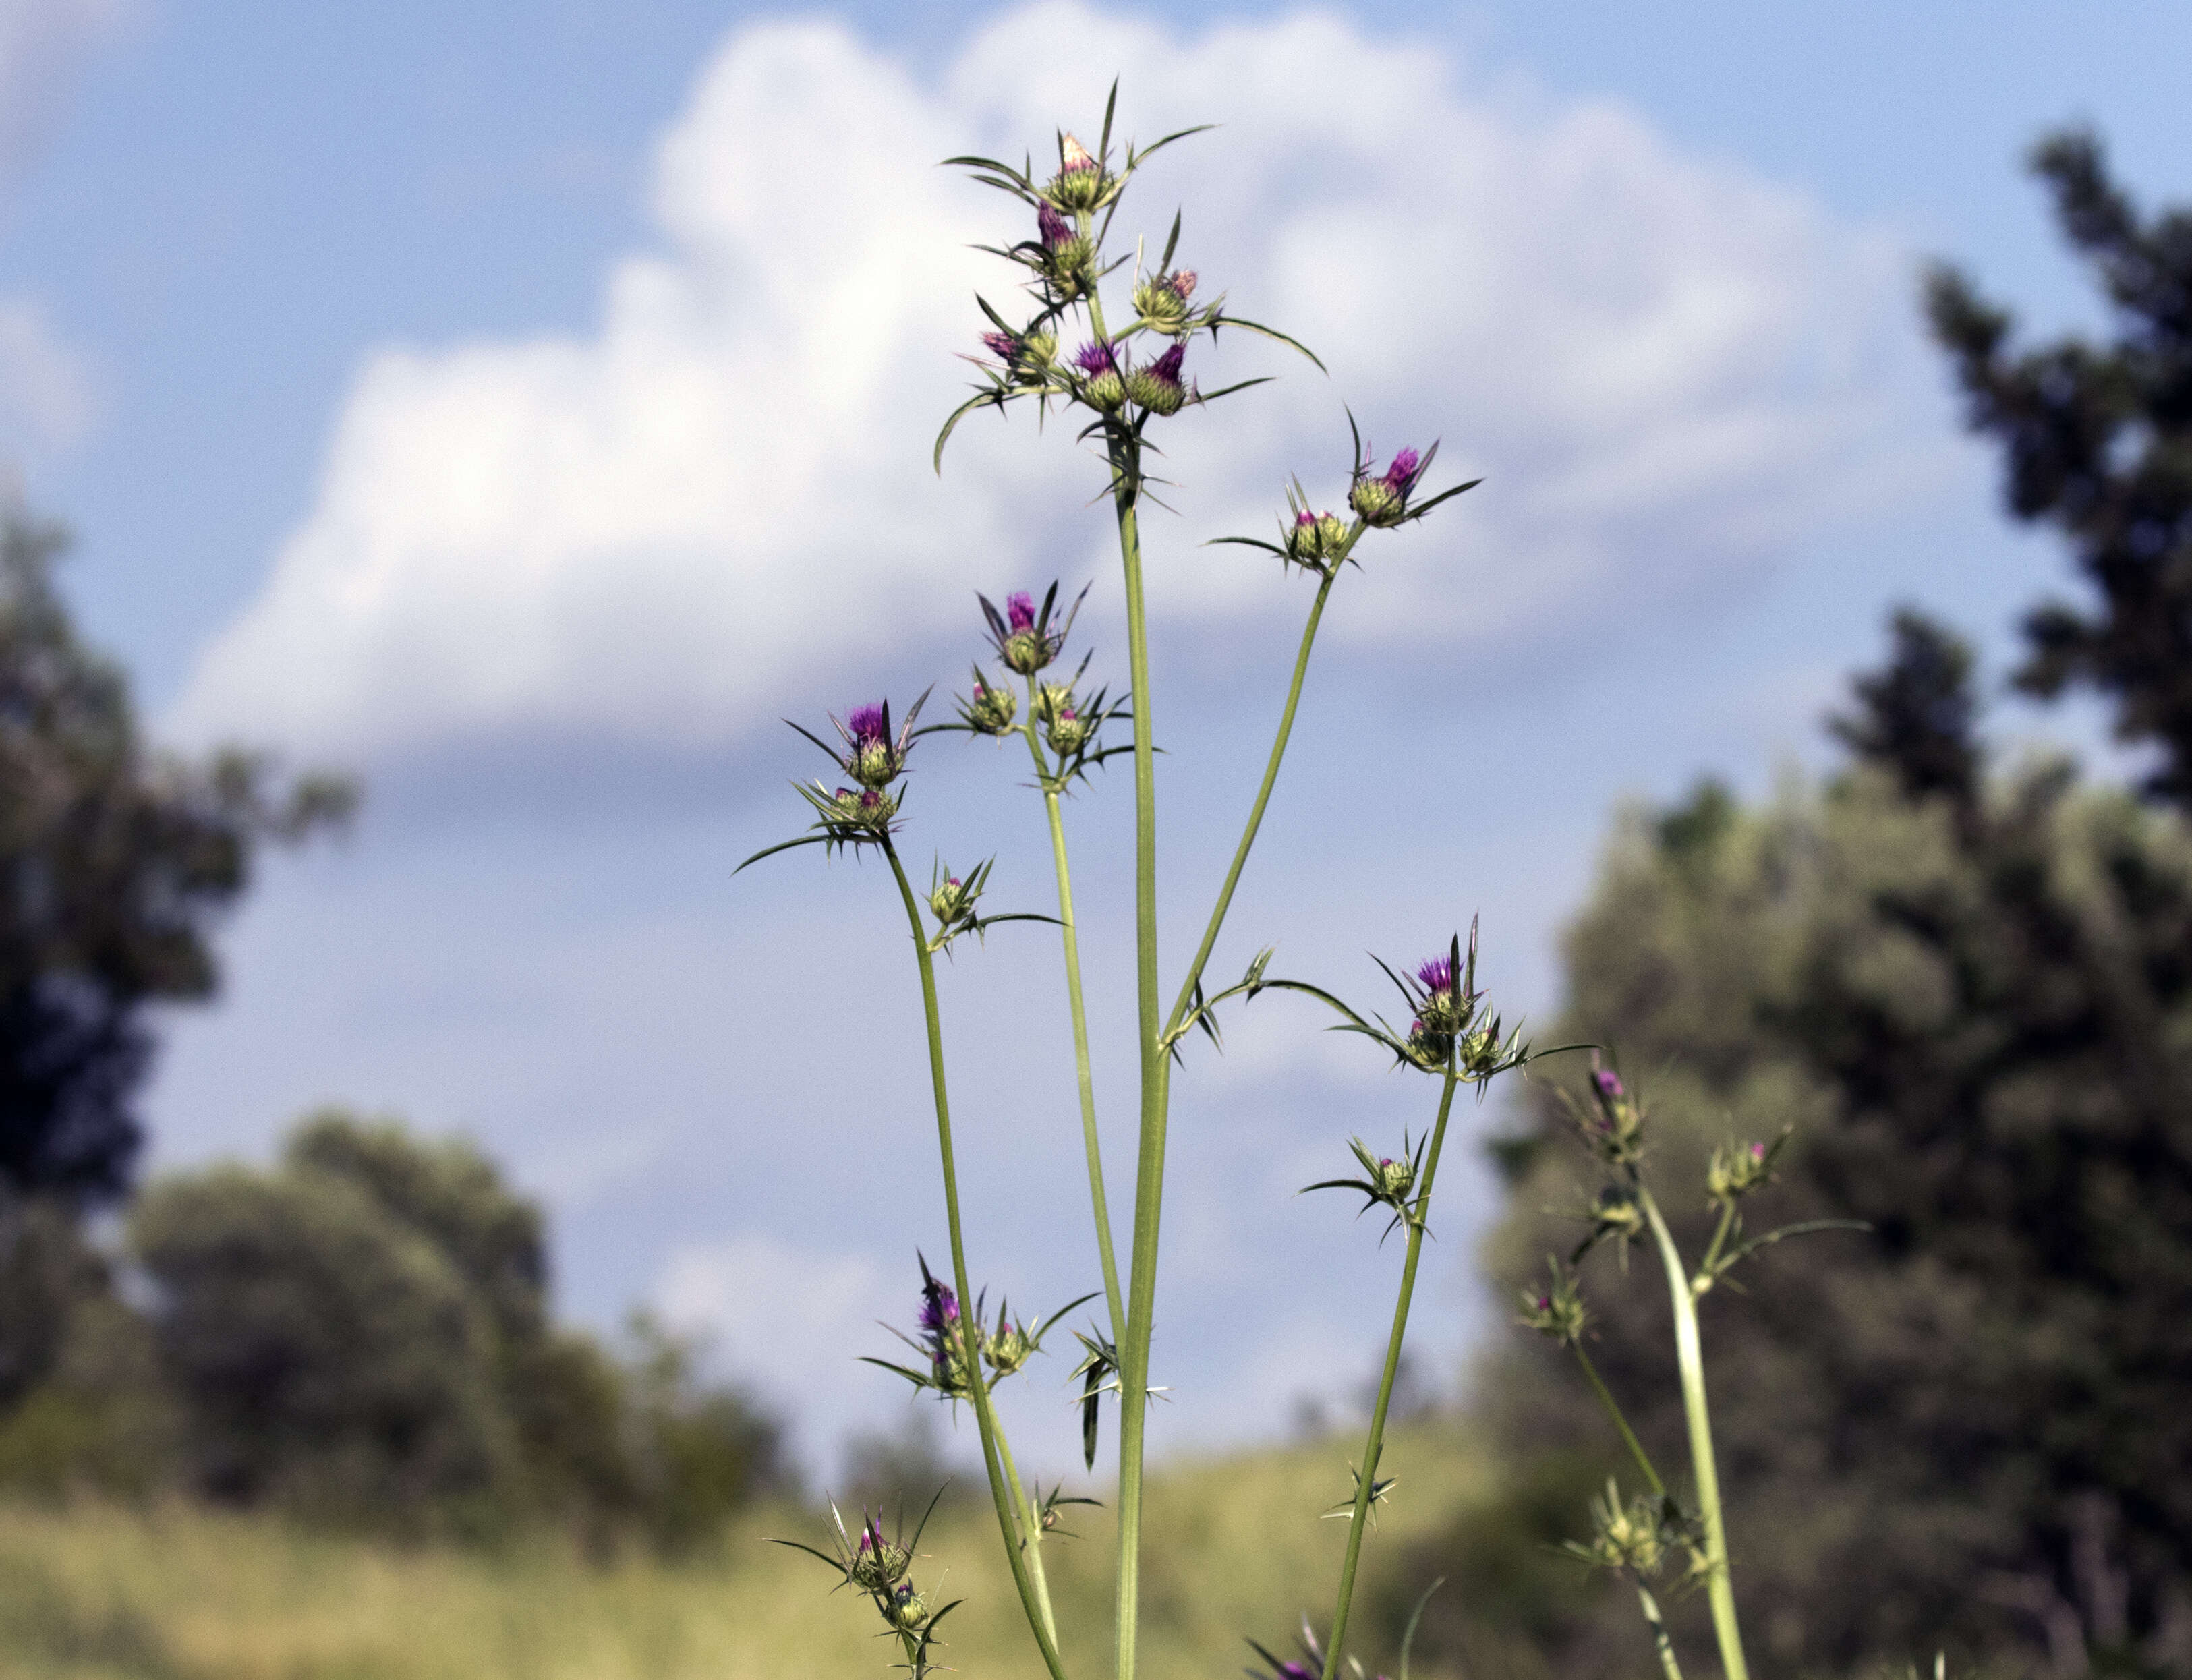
(1234, 1548)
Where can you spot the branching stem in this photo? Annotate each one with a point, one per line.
(977, 1387)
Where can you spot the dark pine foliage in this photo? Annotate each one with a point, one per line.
(2096, 441)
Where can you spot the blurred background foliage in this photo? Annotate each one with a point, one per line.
(1965, 983)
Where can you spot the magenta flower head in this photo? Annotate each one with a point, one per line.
(1027, 355)
(1103, 387)
(1737, 1169)
(1027, 637)
(1156, 386)
(1002, 345)
(1061, 253)
(1383, 500)
(871, 757)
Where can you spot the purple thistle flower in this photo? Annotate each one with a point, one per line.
(1608, 1085)
(1758, 1151)
(1020, 611)
(1073, 157)
(1182, 284)
(1402, 474)
(1309, 516)
(1002, 345)
(1437, 974)
(864, 723)
(940, 1307)
(1096, 356)
(1057, 232)
(1167, 367)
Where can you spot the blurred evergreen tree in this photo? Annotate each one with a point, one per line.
(1971, 995)
(2096, 441)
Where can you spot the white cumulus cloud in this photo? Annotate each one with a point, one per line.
(1668, 369)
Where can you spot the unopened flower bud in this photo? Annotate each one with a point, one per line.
(990, 710)
(1314, 537)
(1394, 1178)
(1557, 1309)
(1737, 1169)
(1067, 731)
(1630, 1536)
(1615, 1131)
(905, 1608)
(1162, 299)
(1049, 699)
(878, 1564)
(1007, 1349)
(1103, 388)
(951, 902)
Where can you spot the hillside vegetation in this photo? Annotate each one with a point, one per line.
(177, 1593)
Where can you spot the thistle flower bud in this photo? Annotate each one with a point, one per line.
(1392, 1179)
(1156, 385)
(863, 807)
(951, 901)
(905, 1610)
(1384, 500)
(988, 710)
(1615, 1131)
(1062, 253)
(1442, 1010)
(1737, 1169)
(1630, 1536)
(1315, 539)
(1027, 355)
(1081, 181)
(1557, 1309)
(1025, 649)
(1049, 699)
(1103, 388)
(1162, 299)
(872, 758)
(1007, 1348)
(877, 1564)
(1066, 730)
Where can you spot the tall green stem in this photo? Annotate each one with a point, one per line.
(1070, 936)
(978, 1386)
(1374, 1447)
(1149, 1164)
(1718, 1587)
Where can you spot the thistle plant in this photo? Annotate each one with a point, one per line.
(1065, 344)
(1636, 1537)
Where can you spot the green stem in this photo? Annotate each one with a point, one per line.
(978, 1386)
(1718, 1586)
(1263, 796)
(1071, 939)
(1621, 1423)
(1149, 1164)
(1660, 1642)
(1374, 1447)
(1030, 1534)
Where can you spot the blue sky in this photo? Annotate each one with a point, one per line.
(527, 405)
